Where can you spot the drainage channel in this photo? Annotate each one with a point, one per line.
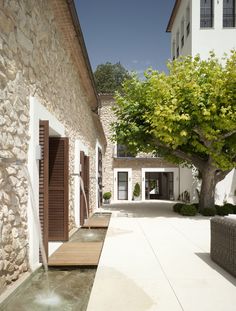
(69, 286)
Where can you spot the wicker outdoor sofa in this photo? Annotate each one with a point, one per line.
(223, 243)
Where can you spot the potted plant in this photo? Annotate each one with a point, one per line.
(136, 192)
(107, 197)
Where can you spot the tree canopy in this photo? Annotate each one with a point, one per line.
(109, 77)
(187, 116)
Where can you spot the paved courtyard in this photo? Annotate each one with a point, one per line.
(156, 260)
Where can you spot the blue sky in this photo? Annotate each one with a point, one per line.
(130, 31)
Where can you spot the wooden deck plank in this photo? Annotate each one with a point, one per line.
(97, 222)
(76, 254)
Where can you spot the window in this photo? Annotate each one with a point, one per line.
(206, 19)
(187, 21)
(228, 13)
(122, 152)
(177, 44)
(173, 50)
(182, 33)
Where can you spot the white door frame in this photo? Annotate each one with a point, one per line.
(79, 146)
(129, 171)
(173, 170)
(37, 112)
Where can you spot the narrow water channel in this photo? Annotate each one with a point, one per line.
(70, 286)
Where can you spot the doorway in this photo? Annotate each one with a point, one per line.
(53, 186)
(159, 185)
(123, 185)
(84, 174)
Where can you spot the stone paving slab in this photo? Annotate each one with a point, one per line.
(155, 260)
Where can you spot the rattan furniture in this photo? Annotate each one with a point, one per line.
(223, 243)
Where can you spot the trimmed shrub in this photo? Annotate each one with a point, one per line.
(177, 207)
(196, 205)
(137, 190)
(107, 195)
(224, 209)
(209, 211)
(234, 209)
(188, 210)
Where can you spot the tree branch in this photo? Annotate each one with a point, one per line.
(227, 134)
(197, 161)
(206, 142)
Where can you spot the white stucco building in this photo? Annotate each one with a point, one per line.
(198, 27)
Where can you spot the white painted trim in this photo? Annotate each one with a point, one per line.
(174, 170)
(98, 145)
(129, 170)
(37, 113)
(79, 146)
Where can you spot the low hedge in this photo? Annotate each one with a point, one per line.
(188, 210)
(177, 207)
(223, 210)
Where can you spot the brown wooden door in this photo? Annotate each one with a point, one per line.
(99, 177)
(86, 178)
(43, 183)
(58, 189)
(84, 174)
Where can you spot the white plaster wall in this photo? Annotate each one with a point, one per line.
(225, 189)
(219, 39)
(187, 48)
(203, 40)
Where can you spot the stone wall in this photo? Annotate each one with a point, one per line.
(111, 162)
(34, 61)
(107, 117)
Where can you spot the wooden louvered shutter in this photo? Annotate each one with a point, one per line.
(58, 188)
(99, 177)
(86, 178)
(83, 213)
(43, 183)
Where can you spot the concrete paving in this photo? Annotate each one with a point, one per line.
(156, 260)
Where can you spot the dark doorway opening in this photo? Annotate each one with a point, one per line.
(122, 185)
(159, 185)
(99, 177)
(84, 174)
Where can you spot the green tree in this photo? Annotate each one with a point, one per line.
(109, 77)
(188, 116)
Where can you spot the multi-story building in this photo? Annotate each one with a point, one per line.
(157, 178)
(198, 27)
(49, 124)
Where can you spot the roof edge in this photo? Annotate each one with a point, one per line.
(75, 19)
(173, 15)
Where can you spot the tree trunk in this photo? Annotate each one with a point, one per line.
(207, 193)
